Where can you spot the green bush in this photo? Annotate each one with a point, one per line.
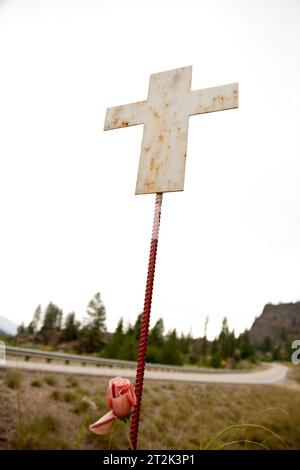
(36, 383)
(50, 380)
(55, 394)
(13, 379)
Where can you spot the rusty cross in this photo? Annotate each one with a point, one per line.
(165, 117)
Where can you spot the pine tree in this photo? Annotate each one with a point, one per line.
(36, 319)
(21, 329)
(205, 342)
(92, 334)
(71, 328)
(171, 353)
(227, 341)
(137, 326)
(130, 344)
(52, 318)
(267, 345)
(51, 327)
(156, 342)
(215, 360)
(114, 347)
(247, 350)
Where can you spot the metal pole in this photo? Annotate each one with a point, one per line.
(134, 426)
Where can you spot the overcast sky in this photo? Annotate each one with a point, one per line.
(71, 224)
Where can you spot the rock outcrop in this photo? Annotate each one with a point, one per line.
(278, 322)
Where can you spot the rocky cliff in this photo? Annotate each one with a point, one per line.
(278, 322)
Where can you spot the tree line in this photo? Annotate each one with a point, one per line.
(49, 328)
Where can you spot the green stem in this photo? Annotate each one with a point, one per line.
(252, 416)
(127, 434)
(259, 426)
(81, 432)
(246, 441)
(110, 438)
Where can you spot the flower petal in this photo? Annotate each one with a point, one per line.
(123, 389)
(131, 395)
(122, 406)
(103, 425)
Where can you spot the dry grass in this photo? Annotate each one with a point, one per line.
(13, 379)
(44, 431)
(174, 415)
(294, 373)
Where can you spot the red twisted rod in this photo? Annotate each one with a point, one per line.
(134, 425)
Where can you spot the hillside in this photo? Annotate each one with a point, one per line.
(7, 326)
(278, 322)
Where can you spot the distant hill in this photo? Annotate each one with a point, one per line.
(7, 326)
(278, 322)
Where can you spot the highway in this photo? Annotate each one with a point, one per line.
(273, 374)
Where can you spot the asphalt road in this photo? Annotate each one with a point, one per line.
(274, 374)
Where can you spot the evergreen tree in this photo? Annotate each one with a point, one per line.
(92, 334)
(21, 329)
(171, 353)
(267, 345)
(52, 318)
(156, 342)
(227, 341)
(277, 356)
(246, 348)
(156, 335)
(137, 326)
(114, 347)
(215, 360)
(205, 342)
(195, 351)
(130, 346)
(36, 319)
(71, 328)
(30, 329)
(50, 331)
(34, 325)
(184, 343)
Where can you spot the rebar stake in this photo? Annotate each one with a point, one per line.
(134, 426)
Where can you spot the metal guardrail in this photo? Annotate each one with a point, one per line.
(97, 361)
(101, 361)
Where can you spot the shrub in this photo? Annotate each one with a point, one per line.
(36, 383)
(69, 397)
(13, 379)
(50, 380)
(55, 394)
(81, 407)
(72, 382)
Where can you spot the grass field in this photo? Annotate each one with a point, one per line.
(52, 411)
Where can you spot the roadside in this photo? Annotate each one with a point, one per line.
(46, 410)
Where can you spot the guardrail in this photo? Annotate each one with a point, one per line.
(96, 361)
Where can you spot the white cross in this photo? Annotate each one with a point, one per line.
(165, 117)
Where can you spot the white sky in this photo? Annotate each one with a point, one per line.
(70, 222)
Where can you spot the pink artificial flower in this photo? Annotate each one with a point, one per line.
(120, 399)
